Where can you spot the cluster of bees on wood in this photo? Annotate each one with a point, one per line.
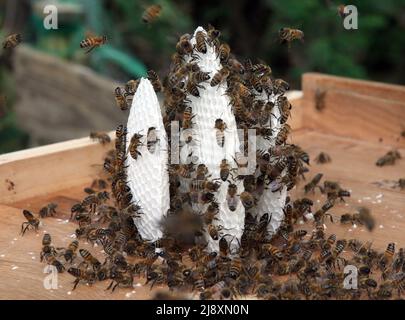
(312, 261)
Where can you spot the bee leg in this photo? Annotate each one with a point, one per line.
(116, 285)
(109, 287)
(25, 229)
(91, 48)
(76, 282)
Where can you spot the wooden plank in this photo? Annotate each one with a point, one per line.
(352, 165)
(369, 111)
(42, 170)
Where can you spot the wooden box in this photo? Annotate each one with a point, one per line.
(354, 121)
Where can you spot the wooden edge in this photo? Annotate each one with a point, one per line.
(363, 110)
(42, 170)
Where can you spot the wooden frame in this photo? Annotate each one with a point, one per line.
(359, 121)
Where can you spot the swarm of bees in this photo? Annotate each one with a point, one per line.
(180, 259)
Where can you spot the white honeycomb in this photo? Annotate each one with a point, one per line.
(148, 177)
(214, 104)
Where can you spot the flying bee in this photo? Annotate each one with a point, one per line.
(341, 11)
(322, 158)
(12, 41)
(220, 127)
(154, 79)
(90, 259)
(102, 137)
(31, 222)
(365, 217)
(134, 145)
(152, 139)
(120, 99)
(82, 275)
(93, 42)
(219, 77)
(200, 40)
(231, 198)
(310, 187)
(288, 35)
(151, 13)
(48, 210)
(282, 135)
(70, 251)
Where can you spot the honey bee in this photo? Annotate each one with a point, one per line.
(219, 77)
(120, 99)
(154, 79)
(387, 257)
(93, 42)
(200, 40)
(90, 259)
(389, 159)
(48, 210)
(235, 268)
(214, 231)
(52, 261)
(213, 35)
(102, 137)
(288, 35)
(192, 87)
(82, 275)
(224, 170)
(285, 109)
(247, 199)
(12, 41)
(236, 66)
(220, 127)
(280, 86)
(131, 86)
(47, 248)
(224, 53)
(151, 13)
(323, 158)
(282, 135)
(70, 251)
(320, 99)
(321, 213)
(231, 198)
(310, 187)
(182, 170)
(184, 46)
(152, 139)
(134, 145)
(31, 222)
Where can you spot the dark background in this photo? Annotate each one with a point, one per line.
(375, 51)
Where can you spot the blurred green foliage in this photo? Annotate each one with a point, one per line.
(375, 51)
